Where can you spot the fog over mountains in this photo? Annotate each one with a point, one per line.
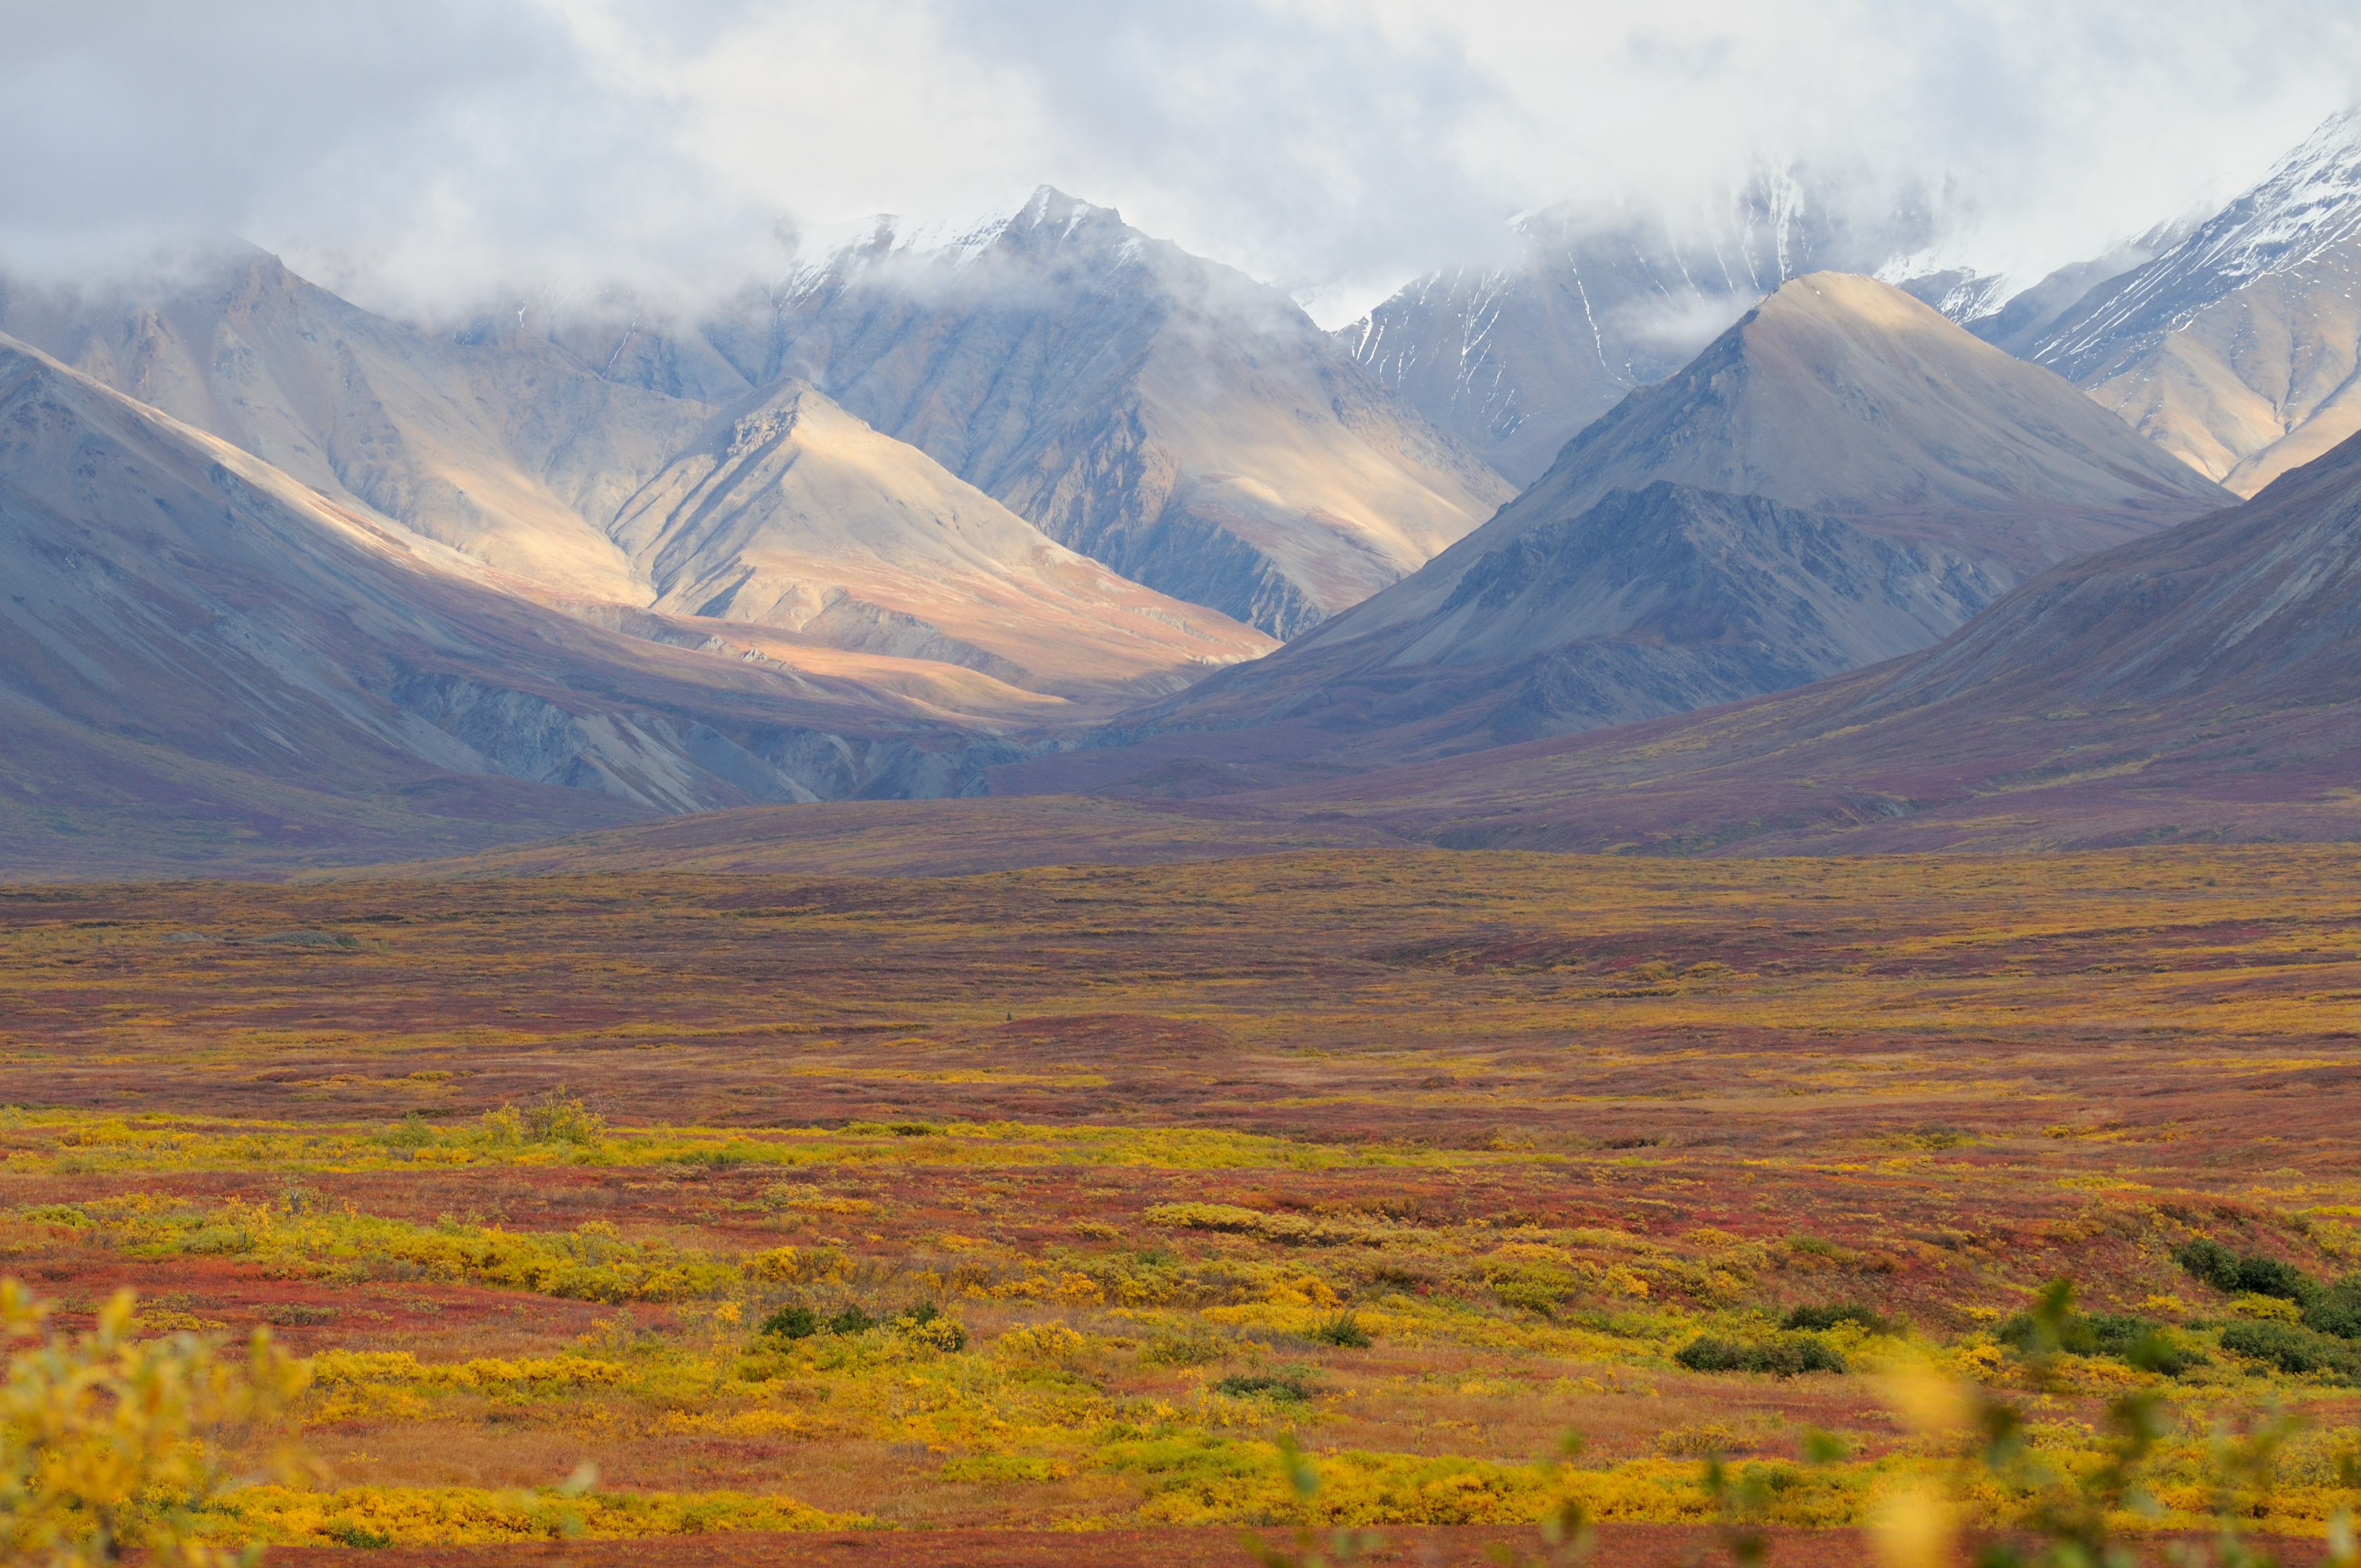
(1032, 500)
(1514, 359)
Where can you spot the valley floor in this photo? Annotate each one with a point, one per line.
(1052, 1201)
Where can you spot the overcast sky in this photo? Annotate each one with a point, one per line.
(426, 153)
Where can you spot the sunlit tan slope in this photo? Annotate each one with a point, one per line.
(1169, 416)
(189, 636)
(791, 513)
(494, 442)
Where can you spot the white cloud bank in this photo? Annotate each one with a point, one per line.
(430, 153)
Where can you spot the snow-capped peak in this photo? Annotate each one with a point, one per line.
(957, 238)
(2309, 201)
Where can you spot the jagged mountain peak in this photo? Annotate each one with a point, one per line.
(1164, 414)
(997, 247)
(2238, 348)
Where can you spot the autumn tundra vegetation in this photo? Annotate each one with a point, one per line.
(1378, 1205)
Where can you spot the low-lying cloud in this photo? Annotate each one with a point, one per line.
(425, 155)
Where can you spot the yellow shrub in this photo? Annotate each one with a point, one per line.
(102, 1436)
(781, 1263)
(437, 1515)
(1043, 1342)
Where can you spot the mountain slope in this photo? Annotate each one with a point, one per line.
(1514, 359)
(186, 623)
(792, 513)
(1165, 415)
(2201, 684)
(1907, 474)
(497, 444)
(504, 445)
(2240, 349)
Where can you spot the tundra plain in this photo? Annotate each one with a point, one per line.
(1051, 1199)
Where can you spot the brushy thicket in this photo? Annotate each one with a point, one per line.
(2324, 1307)
(2119, 1336)
(1783, 1354)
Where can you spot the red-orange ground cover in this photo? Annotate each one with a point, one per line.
(1536, 1120)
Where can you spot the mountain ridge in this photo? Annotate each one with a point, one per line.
(1164, 414)
(1907, 474)
(183, 612)
(2194, 684)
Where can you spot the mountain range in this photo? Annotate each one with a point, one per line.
(201, 653)
(2201, 685)
(1842, 476)
(1029, 503)
(1166, 415)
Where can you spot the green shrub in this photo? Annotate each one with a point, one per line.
(1185, 1350)
(2228, 1272)
(727, 1157)
(1536, 1287)
(297, 1315)
(926, 1321)
(792, 1322)
(2142, 1342)
(1781, 1356)
(562, 1118)
(2337, 1310)
(1252, 1385)
(852, 1321)
(411, 1132)
(2292, 1349)
(1828, 1316)
(1344, 1332)
(345, 1533)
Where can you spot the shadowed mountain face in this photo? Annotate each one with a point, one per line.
(1842, 395)
(1650, 602)
(2201, 684)
(190, 641)
(2237, 349)
(1514, 359)
(1842, 478)
(1172, 418)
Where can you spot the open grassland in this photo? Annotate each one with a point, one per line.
(1051, 1199)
